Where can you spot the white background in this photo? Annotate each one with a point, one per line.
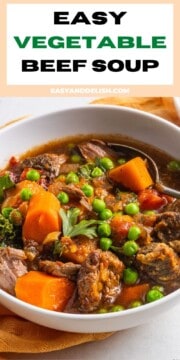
(157, 340)
(144, 20)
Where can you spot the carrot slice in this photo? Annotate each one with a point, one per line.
(133, 175)
(42, 216)
(132, 293)
(43, 290)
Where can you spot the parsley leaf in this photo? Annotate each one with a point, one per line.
(71, 228)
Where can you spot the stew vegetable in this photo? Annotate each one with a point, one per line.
(83, 230)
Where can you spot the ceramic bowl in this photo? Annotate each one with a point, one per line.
(26, 134)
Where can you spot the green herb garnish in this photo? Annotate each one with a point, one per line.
(85, 170)
(10, 235)
(5, 183)
(58, 248)
(71, 228)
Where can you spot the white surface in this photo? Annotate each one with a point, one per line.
(156, 340)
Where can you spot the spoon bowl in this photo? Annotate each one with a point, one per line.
(153, 169)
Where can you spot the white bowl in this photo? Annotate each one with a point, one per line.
(21, 136)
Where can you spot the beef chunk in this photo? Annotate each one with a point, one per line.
(77, 249)
(146, 220)
(102, 182)
(66, 168)
(59, 269)
(175, 244)
(72, 190)
(158, 262)
(174, 206)
(167, 227)
(32, 251)
(95, 149)
(50, 164)
(99, 280)
(12, 266)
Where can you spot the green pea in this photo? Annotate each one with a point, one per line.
(134, 232)
(174, 165)
(102, 311)
(136, 303)
(131, 209)
(121, 161)
(116, 308)
(72, 178)
(6, 211)
(130, 248)
(96, 172)
(76, 159)
(33, 175)
(149, 212)
(61, 178)
(153, 295)
(106, 163)
(105, 214)
(63, 197)
(130, 276)
(104, 230)
(158, 287)
(105, 243)
(15, 217)
(98, 205)
(71, 146)
(88, 190)
(25, 194)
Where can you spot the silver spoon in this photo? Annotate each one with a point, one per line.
(124, 149)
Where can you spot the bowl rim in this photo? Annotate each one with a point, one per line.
(24, 120)
(73, 316)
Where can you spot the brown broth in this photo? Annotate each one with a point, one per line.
(161, 158)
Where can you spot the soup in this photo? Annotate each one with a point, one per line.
(83, 229)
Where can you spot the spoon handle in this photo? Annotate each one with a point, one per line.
(166, 190)
(152, 166)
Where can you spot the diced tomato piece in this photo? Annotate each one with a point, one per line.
(120, 225)
(150, 199)
(13, 161)
(23, 174)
